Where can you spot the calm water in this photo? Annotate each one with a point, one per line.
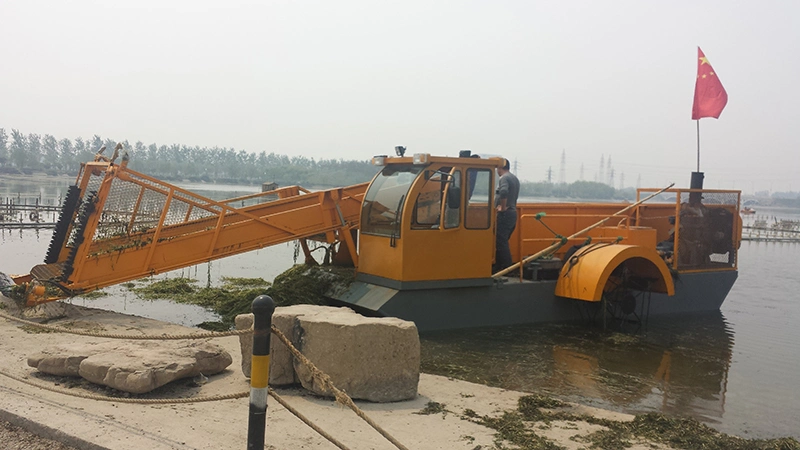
(735, 370)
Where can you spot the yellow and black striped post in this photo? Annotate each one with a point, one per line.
(263, 307)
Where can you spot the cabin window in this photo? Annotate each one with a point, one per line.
(428, 205)
(478, 206)
(381, 213)
(452, 208)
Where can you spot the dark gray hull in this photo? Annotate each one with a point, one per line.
(515, 302)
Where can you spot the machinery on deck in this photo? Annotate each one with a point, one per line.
(421, 236)
(118, 225)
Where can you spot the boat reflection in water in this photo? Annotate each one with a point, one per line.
(676, 365)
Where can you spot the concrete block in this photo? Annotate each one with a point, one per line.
(375, 359)
(281, 371)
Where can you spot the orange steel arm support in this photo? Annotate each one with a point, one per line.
(128, 225)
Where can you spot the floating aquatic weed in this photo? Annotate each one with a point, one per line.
(303, 284)
(94, 294)
(244, 282)
(298, 285)
(170, 288)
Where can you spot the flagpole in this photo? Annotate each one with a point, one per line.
(698, 145)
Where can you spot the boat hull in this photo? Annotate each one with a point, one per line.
(515, 302)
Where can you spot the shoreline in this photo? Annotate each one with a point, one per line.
(458, 411)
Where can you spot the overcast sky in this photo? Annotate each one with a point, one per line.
(351, 79)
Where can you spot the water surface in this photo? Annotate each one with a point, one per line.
(735, 370)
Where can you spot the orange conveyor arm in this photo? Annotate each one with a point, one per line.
(122, 225)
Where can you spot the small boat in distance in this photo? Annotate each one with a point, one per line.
(747, 211)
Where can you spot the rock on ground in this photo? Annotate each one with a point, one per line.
(133, 366)
(374, 359)
(281, 370)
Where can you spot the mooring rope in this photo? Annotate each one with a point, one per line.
(162, 401)
(306, 420)
(157, 337)
(341, 396)
(141, 401)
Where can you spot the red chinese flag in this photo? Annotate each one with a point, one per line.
(709, 96)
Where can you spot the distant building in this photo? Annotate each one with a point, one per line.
(269, 186)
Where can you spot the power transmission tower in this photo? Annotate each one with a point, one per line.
(550, 174)
(602, 177)
(562, 171)
(515, 167)
(610, 172)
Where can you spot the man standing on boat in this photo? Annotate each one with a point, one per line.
(506, 205)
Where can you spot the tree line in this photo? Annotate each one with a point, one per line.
(21, 153)
(26, 154)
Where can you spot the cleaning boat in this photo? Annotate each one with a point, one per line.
(421, 237)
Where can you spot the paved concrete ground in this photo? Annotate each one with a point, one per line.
(16, 438)
(90, 424)
(221, 424)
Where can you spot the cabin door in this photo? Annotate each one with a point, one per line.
(451, 236)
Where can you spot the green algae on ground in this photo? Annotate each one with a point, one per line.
(299, 285)
(529, 405)
(516, 428)
(432, 408)
(511, 428)
(31, 329)
(687, 433)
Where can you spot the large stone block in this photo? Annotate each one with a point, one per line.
(137, 366)
(65, 360)
(375, 359)
(281, 371)
(245, 322)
